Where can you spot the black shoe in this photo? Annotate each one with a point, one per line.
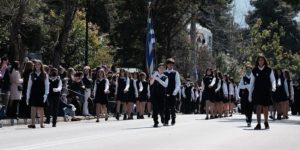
(271, 117)
(106, 118)
(155, 125)
(47, 122)
(142, 117)
(125, 117)
(31, 126)
(267, 125)
(97, 120)
(258, 127)
(53, 125)
(117, 116)
(149, 115)
(131, 115)
(285, 117)
(166, 123)
(212, 117)
(248, 124)
(279, 117)
(206, 118)
(173, 122)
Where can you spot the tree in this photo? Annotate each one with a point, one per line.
(267, 41)
(280, 11)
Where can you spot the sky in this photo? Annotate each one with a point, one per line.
(240, 10)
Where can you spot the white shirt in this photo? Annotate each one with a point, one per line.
(156, 76)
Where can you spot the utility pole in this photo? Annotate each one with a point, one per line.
(86, 54)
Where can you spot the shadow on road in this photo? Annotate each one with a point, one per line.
(289, 121)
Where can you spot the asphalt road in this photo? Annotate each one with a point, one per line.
(191, 132)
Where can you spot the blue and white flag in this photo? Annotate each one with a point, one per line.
(150, 40)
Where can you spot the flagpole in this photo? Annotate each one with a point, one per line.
(148, 17)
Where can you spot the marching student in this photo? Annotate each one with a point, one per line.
(172, 91)
(289, 90)
(195, 99)
(187, 94)
(132, 93)
(55, 87)
(279, 95)
(219, 95)
(37, 93)
(262, 84)
(138, 87)
(296, 101)
(227, 90)
(101, 90)
(208, 83)
(87, 82)
(144, 94)
(244, 87)
(234, 96)
(159, 83)
(122, 87)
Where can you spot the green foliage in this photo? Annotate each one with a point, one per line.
(267, 41)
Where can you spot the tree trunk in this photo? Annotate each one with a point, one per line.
(70, 10)
(15, 37)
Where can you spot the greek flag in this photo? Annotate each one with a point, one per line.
(149, 47)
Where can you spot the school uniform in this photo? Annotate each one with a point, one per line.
(187, 94)
(219, 96)
(279, 95)
(262, 84)
(208, 92)
(145, 93)
(139, 88)
(37, 90)
(132, 91)
(158, 93)
(247, 107)
(55, 88)
(195, 100)
(289, 90)
(235, 96)
(101, 90)
(227, 90)
(172, 90)
(122, 85)
(296, 102)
